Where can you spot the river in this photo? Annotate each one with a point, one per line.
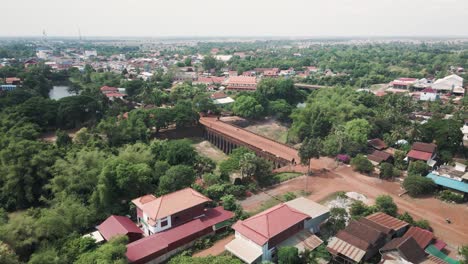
(59, 92)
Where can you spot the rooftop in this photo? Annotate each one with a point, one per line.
(407, 247)
(387, 221)
(423, 237)
(377, 143)
(116, 225)
(424, 147)
(265, 225)
(337, 245)
(143, 249)
(308, 207)
(449, 183)
(419, 155)
(169, 204)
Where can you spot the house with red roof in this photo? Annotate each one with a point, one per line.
(156, 214)
(426, 152)
(403, 83)
(159, 247)
(287, 224)
(116, 225)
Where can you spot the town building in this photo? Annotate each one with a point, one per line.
(242, 83)
(449, 84)
(220, 98)
(428, 94)
(159, 247)
(403, 83)
(424, 152)
(293, 223)
(116, 225)
(157, 214)
(362, 239)
(456, 185)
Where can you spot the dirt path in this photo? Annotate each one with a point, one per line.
(343, 178)
(216, 249)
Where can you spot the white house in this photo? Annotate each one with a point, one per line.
(428, 94)
(448, 84)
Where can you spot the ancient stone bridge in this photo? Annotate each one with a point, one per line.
(227, 137)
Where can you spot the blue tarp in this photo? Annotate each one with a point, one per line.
(449, 183)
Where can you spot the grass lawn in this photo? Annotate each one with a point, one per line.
(270, 129)
(284, 176)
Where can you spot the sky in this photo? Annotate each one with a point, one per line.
(200, 18)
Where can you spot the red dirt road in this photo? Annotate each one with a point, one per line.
(343, 178)
(329, 179)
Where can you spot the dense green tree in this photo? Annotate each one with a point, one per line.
(112, 252)
(39, 110)
(418, 185)
(358, 210)
(7, 256)
(387, 171)
(180, 152)
(24, 170)
(445, 133)
(280, 109)
(362, 164)
(247, 106)
(184, 115)
(176, 178)
(45, 256)
(310, 148)
(205, 260)
(418, 168)
(385, 204)
(288, 255)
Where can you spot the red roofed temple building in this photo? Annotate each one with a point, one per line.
(242, 83)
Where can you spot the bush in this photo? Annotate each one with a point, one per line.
(424, 224)
(418, 168)
(418, 185)
(289, 196)
(449, 196)
(288, 255)
(385, 204)
(362, 164)
(387, 171)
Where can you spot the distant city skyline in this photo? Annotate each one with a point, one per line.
(254, 18)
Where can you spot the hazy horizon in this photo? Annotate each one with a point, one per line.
(242, 18)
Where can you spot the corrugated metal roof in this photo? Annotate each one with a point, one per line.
(308, 207)
(387, 221)
(423, 237)
(243, 250)
(337, 245)
(449, 183)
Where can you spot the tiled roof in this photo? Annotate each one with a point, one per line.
(387, 221)
(218, 95)
(112, 94)
(169, 204)
(116, 225)
(265, 225)
(242, 80)
(423, 237)
(157, 244)
(425, 147)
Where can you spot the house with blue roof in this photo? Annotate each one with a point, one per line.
(449, 183)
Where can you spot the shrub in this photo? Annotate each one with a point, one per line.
(289, 196)
(362, 164)
(288, 255)
(418, 185)
(385, 204)
(449, 196)
(424, 224)
(418, 168)
(388, 171)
